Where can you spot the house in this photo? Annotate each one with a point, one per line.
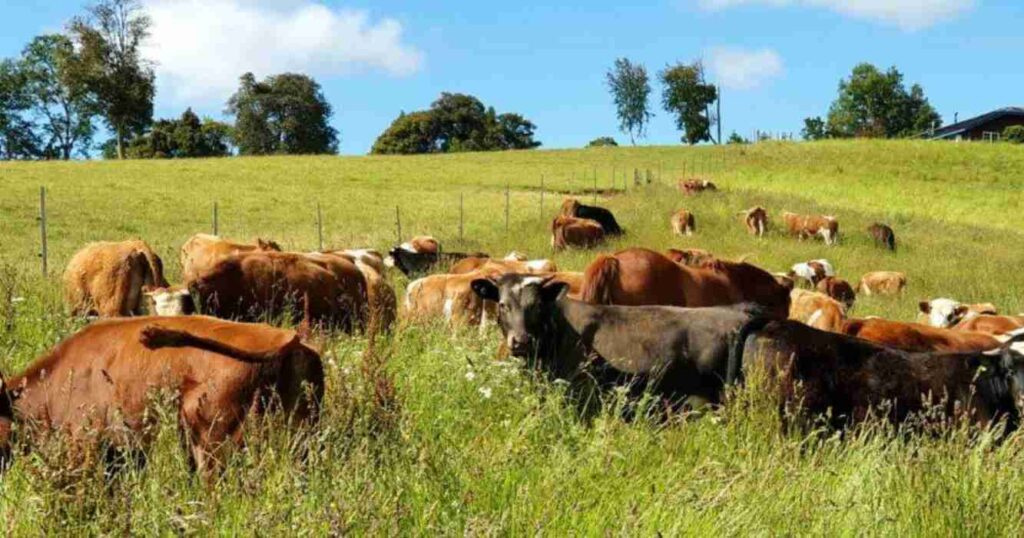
(988, 127)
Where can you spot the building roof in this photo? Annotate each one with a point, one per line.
(969, 124)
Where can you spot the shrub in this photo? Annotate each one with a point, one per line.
(1014, 134)
(602, 141)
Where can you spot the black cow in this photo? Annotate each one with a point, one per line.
(572, 208)
(419, 263)
(845, 378)
(883, 236)
(673, 352)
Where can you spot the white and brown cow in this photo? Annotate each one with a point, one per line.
(807, 226)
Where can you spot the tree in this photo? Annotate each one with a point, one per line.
(109, 38)
(180, 138)
(872, 103)
(602, 142)
(735, 138)
(1014, 134)
(283, 114)
(688, 97)
(456, 122)
(17, 132)
(630, 89)
(814, 129)
(59, 97)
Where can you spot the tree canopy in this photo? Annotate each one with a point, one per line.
(630, 88)
(602, 142)
(456, 122)
(185, 137)
(282, 114)
(687, 96)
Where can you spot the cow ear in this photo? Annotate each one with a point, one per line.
(925, 307)
(553, 291)
(486, 289)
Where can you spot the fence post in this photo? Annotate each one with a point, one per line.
(215, 220)
(506, 206)
(398, 224)
(44, 251)
(320, 226)
(461, 215)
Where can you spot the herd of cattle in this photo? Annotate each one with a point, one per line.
(682, 324)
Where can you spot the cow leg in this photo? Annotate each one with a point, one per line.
(212, 426)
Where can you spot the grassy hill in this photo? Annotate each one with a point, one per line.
(464, 444)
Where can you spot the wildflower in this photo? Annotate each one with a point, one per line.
(16, 300)
(486, 392)
(470, 375)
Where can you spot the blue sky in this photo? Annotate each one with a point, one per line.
(777, 60)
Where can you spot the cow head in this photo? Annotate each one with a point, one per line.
(169, 302)
(943, 313)
(524, 308)
(1001, 375)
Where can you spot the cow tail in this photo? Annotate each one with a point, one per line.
(156, 269)
(156, 337)
(598, 279)
(734, 369)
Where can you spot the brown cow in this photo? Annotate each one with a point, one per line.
(252, 286)
(381, 303)
(693, 257)
(572, 232)
(756, 219)
(690, 187)
(474, 263)
(944, 312)
(683, 223)
(882, 283)
(106, 279)
(990, 324)
(100, 380)
(807, 226)
(883, 236)
(816, 310)
(918, 337)
(422, 244)
(638, 276)
(201, 251)
(838, 289)
(447, 297)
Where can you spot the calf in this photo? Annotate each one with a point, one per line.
(883, 236)
(106, 279)
(683, 223)
(838, 289)
(471, 264)
(572, 232)
(100, 380)
(882, 283)
(756, 220)
(816, 310)
(673, 352)
(918, 337)
(448, 297)
(949, 312)
(846, 380)
(201, 251)
(572, 208)
(806, 226)
(813, 271)
(690, 187)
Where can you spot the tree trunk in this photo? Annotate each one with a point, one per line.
(120, 143)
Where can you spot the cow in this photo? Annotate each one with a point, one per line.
(106, 279)
(683, 223)
(785, 280)
(756, 220)
(816, 310)
(992, 324)
(573, 208)
(448, 297)
(422, 244)
(673, 352)
(471, 264)
(845, 380)
(638, 276)
(693, 257)
(168, 301)
(201, 251)
(415, 263)
(883, 236)
(949, 312)
(572, 232)
(838, 289)
(690, 187)
(381, 304)
(807, 226)
(366, 256)
(96, 384)
(258, 285)
(882, 283)
(918, 337)
(813, 271)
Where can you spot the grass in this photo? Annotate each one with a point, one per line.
(469, 445)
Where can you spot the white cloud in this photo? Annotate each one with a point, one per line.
(906, 14)
(202, 47)
(741, 69)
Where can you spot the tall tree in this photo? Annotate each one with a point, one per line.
(814, 129)
(688, 97)
(873, 103)
(283, 114)
(59, 95)
(630, 89)
(110, 38)
(17, 133)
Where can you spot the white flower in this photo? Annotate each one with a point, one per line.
(17, 300)
(470, 375)
(486, 392)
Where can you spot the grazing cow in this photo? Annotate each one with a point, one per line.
(471, 264)
(106, 279)
(416, 263)
(639, 276)
(169, 301)
(813, 271)
(838, 289)
(882, 283)
(201, 251)
(683, 223)
(949, 312)
(816, 310)
(918, 337)
(381, 304)
(573, 208)
(100, 381)
(572, 232)
(883, 236)
(992, 324)
(690, 187)
(756, 219)
(672, 352)
(253, 286)
(693, 257)
(807, 226)
(846, 380)
(449, 297)
(366, 256)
